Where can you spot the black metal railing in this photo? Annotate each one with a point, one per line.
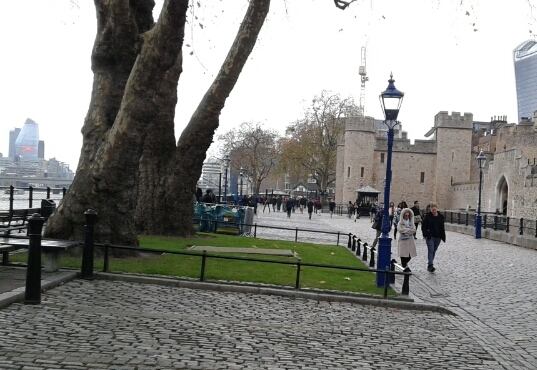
(523, 226)
(29, 194)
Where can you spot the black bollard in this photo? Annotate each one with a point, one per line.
(353, 243)
(364, 256)
(358, 247)
(32, 294)
(87, 254)
(392, 269)
(372, 259)
(405, 290)
(349, 243)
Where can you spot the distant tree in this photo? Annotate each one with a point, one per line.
(309, 148)
(254, 149)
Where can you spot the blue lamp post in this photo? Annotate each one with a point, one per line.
(390, 101)
(481, 158)
(226, 166)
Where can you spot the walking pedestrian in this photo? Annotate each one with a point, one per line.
(406, 247)
(309, 205)
(377, 225)
(432, 227)
(289, 204)
(417, 215)
(373, 211)
(350, 209)
(331, 207)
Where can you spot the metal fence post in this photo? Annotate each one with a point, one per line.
(466, 219)
(297, 282)
(392, 269)
(32, 294)
(106, 267)
(521, 229)
(30, 196)
(337, 238)
(507, 224)
(372, 259)
(349, 244)
(495, 223)
(358, 242)
(364, 256)
(48, 192)
(353, 248)
(203, 260)
(386, 279)
(87, 253)
(296, 234)
(255, 229)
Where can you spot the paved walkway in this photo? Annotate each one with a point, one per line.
(124, 325)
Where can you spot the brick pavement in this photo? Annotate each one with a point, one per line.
(122, 325)
(489, 284)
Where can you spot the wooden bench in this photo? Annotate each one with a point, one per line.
(51, 250)
(17, 217)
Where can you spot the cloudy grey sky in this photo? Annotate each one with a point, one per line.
(448, 56)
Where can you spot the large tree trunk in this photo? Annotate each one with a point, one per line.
(172, 214)
(108, 181)
(130, 169)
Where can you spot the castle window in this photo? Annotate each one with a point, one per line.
(348, 172)
(452, 156)
(381, 157)
(422, 177)
(362, 172)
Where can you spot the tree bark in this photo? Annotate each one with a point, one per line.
(172, 213)
(106, 178)
(130, 170)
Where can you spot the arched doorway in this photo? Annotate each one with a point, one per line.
(502, 195)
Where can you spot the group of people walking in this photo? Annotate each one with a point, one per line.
(405, 221)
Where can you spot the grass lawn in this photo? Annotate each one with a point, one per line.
(243, 271)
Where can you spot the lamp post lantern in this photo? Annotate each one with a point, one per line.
(390, 101)
(481, 159)
(226, 166)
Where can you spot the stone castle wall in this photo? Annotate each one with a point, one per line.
(451, 173)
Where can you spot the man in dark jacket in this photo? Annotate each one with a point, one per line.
(432, 227)
(310, 207)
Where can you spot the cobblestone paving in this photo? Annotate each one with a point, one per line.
(119, 325)
(489, 284)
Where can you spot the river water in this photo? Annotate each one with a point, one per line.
(22, 201)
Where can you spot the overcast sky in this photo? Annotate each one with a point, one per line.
(444, 56)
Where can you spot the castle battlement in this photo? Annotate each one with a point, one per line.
(360, 124)
(454, 120)
(403, 145)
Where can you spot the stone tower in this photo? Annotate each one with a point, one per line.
(453, 135)
(355, 158)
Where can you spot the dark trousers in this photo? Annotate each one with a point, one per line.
(405, 261)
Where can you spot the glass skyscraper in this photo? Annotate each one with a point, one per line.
(525, 60)
(26, 145)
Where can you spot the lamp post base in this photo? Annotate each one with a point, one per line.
(478, 227)
(383, 260)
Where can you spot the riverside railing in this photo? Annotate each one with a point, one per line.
(29, 194)
(523, 226)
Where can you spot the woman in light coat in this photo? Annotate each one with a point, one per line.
(406, 228)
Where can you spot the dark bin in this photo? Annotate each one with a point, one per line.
(47, 207)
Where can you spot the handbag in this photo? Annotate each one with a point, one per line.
(374, 225)
(404, 237)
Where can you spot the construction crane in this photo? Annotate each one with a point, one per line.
(363, 78)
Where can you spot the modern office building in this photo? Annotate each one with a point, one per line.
(12, 138)
(525, 61)
(27, 143)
